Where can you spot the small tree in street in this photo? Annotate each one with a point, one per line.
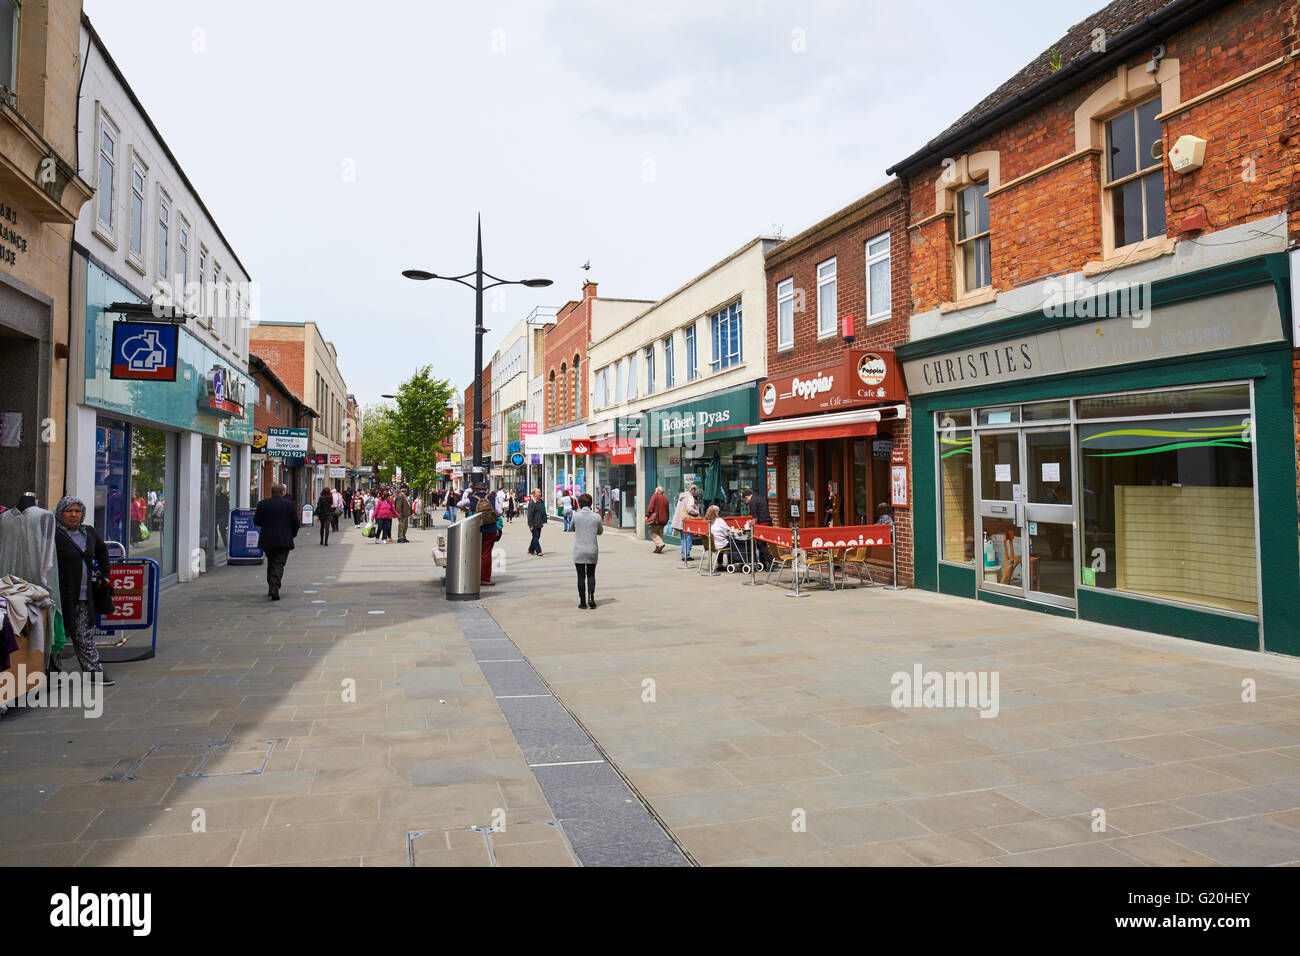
(376, 429)
(419, 426)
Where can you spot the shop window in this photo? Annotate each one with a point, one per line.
(1169, 509)
(973, 249)
(725, 325)
(670, 367)
(9, 11)
(1046, 411)
(826, 299)
(1185, 401)
(1135, 175)
(878, 303)
(785, 314)
(692, 356)
(956, 486)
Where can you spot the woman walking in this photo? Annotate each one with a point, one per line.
(385, 512)
(686, 508)
(587, 527)
(324, 514)
(358, 509)
(83, 562)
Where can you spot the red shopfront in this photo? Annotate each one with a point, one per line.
(837, 436)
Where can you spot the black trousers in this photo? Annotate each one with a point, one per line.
(586, 582)
(535, 546)
(275, 559)
(325, 530)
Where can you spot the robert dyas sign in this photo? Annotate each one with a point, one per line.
(858, 377)
(1231, 320)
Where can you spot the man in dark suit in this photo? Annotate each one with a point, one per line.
(277, 522)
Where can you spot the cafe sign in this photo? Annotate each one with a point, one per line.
(858, 377)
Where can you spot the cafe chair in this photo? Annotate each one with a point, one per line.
(710, 556)
(782, 558)
(1013, 562)
(855, 561)
(822, 563)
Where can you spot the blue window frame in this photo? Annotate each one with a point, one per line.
(725, 324)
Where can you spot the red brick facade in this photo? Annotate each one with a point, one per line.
(285, 411)
(566, 347)
(285, 359)
(486, 444)
(844, 236)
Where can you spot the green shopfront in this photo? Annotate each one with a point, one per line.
(700, 442)
(1138, 472)
(160, 464)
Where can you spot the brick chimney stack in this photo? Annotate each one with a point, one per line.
(588, 290)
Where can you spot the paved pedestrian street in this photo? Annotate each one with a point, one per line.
(364, 720)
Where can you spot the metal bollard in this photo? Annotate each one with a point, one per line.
(797, 592)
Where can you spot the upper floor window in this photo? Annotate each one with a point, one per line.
(602, 388)
(631, 376)
(670, 367)
(973, 254)
(650, 370)
(550, 395)
(564, 391)
(182, 253)
(203, 284)
(577, 387)
(9, 44)
(620, 381)
(164, 228)
(785, 314)
(692, 355)
(107, 167)
(1135, 174)
(137, 211)
(826, 304)
(725, 324)
(878, 278)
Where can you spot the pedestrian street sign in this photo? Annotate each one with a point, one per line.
(144, 351)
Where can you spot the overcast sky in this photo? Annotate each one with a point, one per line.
(339, 143)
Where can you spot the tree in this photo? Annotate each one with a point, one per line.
(376, 429)
(419, 426)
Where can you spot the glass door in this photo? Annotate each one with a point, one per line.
(1049, 516)
(1026, 513)
(1001, 511)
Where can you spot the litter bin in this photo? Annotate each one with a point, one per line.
(464, 558)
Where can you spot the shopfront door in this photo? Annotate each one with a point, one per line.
(1026, 514)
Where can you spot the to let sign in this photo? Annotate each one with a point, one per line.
(528, 428)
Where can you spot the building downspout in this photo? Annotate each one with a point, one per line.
(72, 253)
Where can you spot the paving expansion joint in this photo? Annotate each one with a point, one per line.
(607, 760)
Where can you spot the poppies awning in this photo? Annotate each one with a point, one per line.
(852, 424)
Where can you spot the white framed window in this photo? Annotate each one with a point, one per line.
(878, 305)
(826, 299)
(164, 231)
(205, 310)
(227, 300)
(670, 367)
(620, 381)
(1135, 174)
(650, 370)
(182, 254)
(106, 185)
(631, 376)
(785, 314)
(726, 328)
(692, 355)
(218, 313)
(135, 228)
(974, 257)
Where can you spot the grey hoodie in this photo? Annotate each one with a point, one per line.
(587, 526)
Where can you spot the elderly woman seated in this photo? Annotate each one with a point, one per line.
(720, 532)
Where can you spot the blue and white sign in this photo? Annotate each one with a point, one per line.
(514, 447)
(244, 537)
(144, 351)
(516, 460)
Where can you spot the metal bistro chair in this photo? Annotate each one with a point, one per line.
(710, 556)
(782, 558)
(855, 559)
(821, 562)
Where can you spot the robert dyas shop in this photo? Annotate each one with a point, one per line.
(1136, 472)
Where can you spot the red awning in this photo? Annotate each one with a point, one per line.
(813, 433)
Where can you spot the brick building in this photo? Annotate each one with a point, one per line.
(277, 407)
(485, 418)
(833, 413)
(1101, 361)
(566, 398)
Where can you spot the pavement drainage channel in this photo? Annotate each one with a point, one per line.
(603, 818)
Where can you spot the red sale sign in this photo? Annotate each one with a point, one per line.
(129, 581)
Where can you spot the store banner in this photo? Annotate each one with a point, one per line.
(712, 417)
(858, 377)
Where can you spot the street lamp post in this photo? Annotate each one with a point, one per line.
(478, 288)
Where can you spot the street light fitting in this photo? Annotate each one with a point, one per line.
(418, 274)
(537, 283)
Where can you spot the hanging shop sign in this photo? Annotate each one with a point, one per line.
(259, 443)
(858, 377)
(144, 351)
(455, 457)
(579, 446)
(336, 459)
(514, 447)
(516, 460)
(223, 393)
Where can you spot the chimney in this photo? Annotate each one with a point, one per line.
(589, 290)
